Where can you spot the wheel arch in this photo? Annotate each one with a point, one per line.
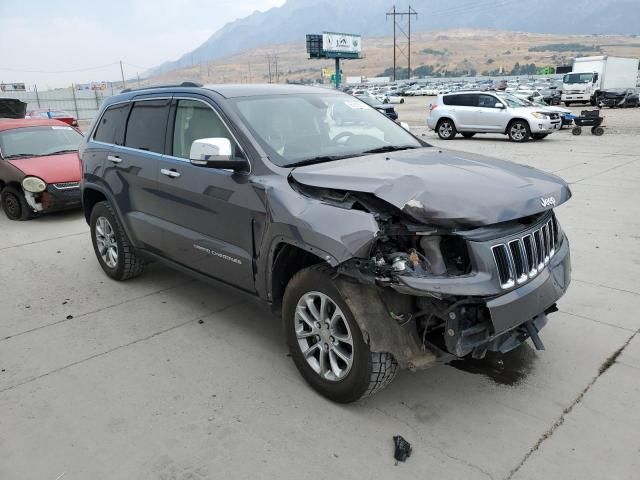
(515, 119)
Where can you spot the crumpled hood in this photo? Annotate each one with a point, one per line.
(443, 188)
(64, 167)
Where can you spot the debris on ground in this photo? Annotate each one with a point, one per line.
(403, 449)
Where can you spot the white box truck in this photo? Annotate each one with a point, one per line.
(591, 75)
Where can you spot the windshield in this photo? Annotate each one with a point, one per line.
(577, 78)
(513, 101)
(303, 128)
(38, 141)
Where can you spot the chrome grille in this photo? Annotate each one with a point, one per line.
(521, 259)
(66, 185)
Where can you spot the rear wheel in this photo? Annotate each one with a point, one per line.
(115, 253)
(597, 131)
(468, 134)
(446, 129)
(518, 131)
(15, 205)
(326, 343)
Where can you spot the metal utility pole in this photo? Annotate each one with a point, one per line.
(124, 85)
(269, 60)
(249, 63)
(275, 58)
(405, 29)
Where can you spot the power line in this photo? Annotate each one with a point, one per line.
(58, 71)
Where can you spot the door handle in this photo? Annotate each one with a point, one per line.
(170, 173)
(114, 158)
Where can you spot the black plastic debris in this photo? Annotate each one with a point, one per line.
(403, 449)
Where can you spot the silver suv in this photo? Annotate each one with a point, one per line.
(469, 113)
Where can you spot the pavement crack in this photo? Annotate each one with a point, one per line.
(119, 347)
(584, 317)
(605, 286)
(43, 241)
(604, 171)
(609, 361)
(107, 307)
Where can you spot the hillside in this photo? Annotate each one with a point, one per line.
(291, 21)
(452, 50)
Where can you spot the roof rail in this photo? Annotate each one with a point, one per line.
(183, 84)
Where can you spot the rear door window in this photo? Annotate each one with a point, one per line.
(111, 126)
(147, 125)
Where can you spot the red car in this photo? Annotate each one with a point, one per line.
(61, 115)
(39, 167)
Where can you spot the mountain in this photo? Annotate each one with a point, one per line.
(294, 19)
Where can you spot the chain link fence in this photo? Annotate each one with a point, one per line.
(83, 104)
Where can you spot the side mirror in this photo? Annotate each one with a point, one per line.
(214, 153)
(499, 105)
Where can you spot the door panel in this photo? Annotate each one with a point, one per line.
(487, 118)
(209, 210)
(132, 169)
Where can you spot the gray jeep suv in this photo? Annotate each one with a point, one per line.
(377, 250)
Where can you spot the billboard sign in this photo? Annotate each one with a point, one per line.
(341, 42)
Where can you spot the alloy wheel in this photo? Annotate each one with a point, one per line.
(324, 336)
(518, 132)
(446, 129)
(106, 242)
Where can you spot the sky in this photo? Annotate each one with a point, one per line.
(55, 43)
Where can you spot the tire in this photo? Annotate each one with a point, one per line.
(446, 129)
(539, 136)
(105, 227)
(519, 131)
(567, 104)
(468, 135)
(597, 131)
(368, 373)
(576, 130)
(14, 204)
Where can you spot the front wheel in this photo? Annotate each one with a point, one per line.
(326, 343)
(519, 131)
(446, 129)
(576, 130)
(14, 204)
(114, 252)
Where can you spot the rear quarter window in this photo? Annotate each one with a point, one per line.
(111, 125)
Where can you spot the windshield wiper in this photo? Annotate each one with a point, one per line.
(390, 148)
(63, 151)
(320, 159)
(22, 155)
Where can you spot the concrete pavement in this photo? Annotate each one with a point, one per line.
(164, 377)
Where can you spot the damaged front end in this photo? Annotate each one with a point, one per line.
(429, 293)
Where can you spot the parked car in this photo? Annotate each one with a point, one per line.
(12, 108)
(551, 96)
(469, 113)
(383, 108)
(378, 251)
(39, 167)
(620, 98)
(61, 115)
